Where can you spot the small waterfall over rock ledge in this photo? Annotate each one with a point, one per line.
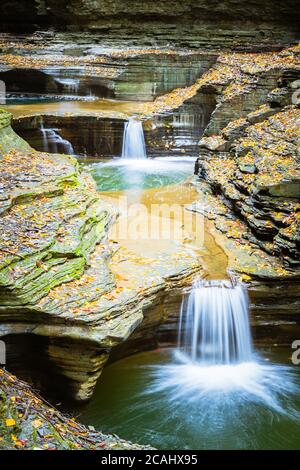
(215, 367)
(133, 140)
(54, 143)
(214, 325)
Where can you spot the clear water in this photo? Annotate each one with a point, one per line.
(31, 100)
(27, 101)
(47, 104)
(121, 174)
(134, 146)
(211, 392)
(141, 399)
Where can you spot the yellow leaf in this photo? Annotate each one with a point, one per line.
(109, 296)
(19, 443)
(119, 277)
(10, 422)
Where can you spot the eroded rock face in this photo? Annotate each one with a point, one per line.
(95, 136)
(89, 67)
(192, 22)
(83, 295)
(9, 140)
(100, 134)
(259, 176)
(59, 277)
(249, 185)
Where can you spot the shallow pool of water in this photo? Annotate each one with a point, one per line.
(147, 398)
(68, 104)
(121, 174)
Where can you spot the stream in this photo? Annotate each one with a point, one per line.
(190, 395)
(131, 399)
(212, 391)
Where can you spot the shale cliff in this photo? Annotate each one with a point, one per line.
(249, 180)
(249, 154)
(189, 23)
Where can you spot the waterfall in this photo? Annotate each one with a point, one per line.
(214, 325)
(54, 143)
(133, 140)
(45, 138)
(216, 385)
(70, 85)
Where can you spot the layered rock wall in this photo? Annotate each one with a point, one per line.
(192, 22)
(249, 183)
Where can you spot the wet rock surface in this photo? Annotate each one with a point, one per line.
(90, 135)
(73, 298)
(38, 65)
(64, 281)
(259, 177)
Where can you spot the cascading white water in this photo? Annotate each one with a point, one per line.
(45, 138)
(70, 85)
(54, 143)
(133, 140)
(215, 367)
(214, 325)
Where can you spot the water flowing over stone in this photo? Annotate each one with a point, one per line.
(70, 85)
(133, 140)
(54, 143)
(216, 376)
(214, 325)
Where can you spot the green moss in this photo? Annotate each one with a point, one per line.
(52, 220)
(9, 140)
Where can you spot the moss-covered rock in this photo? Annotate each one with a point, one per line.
(9, 140)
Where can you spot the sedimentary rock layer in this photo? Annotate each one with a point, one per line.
(191, 22)
(60, 278)
(249, 182)
(250, 154)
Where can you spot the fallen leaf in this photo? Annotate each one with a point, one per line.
(10, 422)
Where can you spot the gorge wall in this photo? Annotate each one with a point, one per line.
(191, 23)
(249, 182)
